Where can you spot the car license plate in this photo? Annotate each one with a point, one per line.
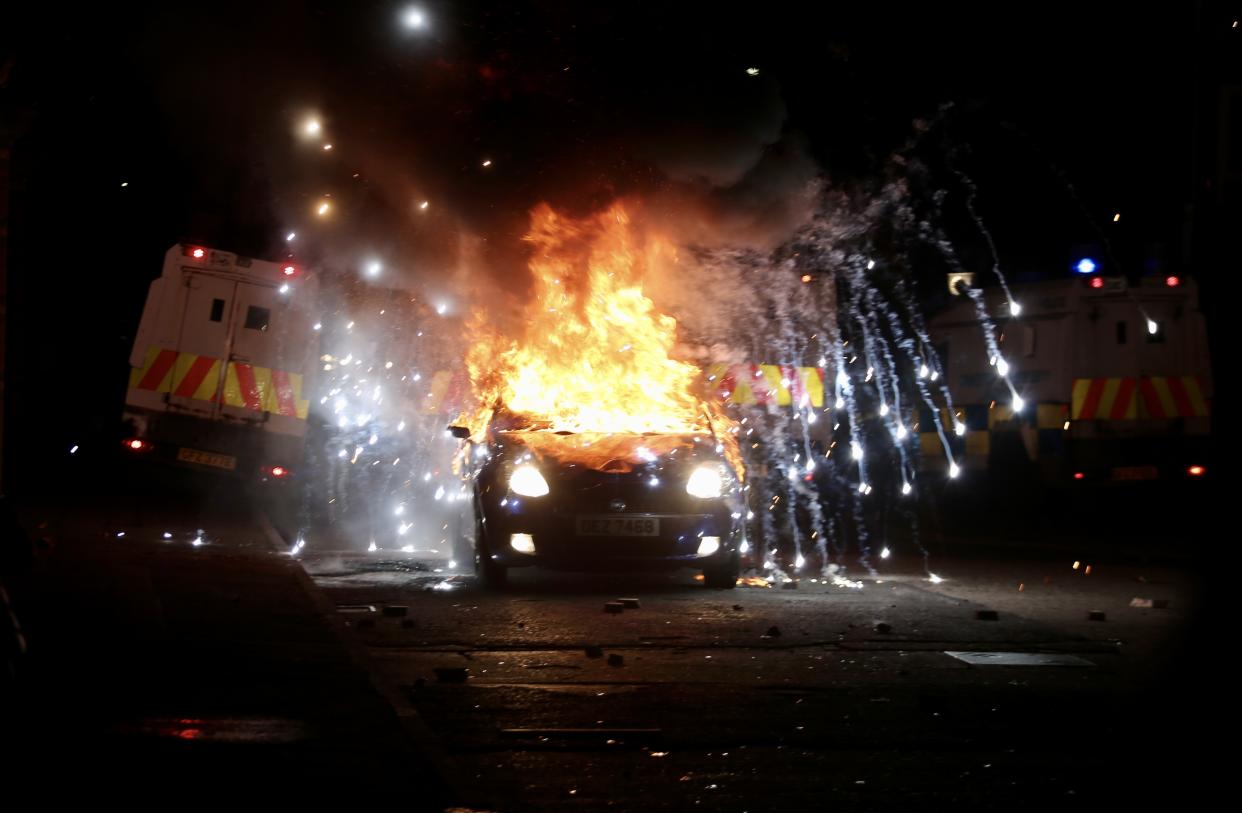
(219, 461)
(1136, 473)
(618, 526)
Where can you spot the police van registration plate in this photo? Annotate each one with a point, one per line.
(618, 526)
(219, 461)
(1136, 473)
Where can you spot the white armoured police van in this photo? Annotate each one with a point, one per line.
(221, 364)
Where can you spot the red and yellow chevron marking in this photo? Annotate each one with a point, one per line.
(188, 375)
(1119, 398)
(782, 384)
(1103, 398)
(1173, 397)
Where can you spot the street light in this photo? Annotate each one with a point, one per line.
(414, 18)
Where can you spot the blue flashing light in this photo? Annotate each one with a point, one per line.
(1086, 266)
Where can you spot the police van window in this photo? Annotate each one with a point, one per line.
(1121, 333)
(256, 318)
(217, 310)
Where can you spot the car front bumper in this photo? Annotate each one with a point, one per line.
(559, 544)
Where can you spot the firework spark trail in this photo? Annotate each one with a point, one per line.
(972, 193)
(989, 333)
(888, 377)
(779, 300)
(858, 269)
(918, 359)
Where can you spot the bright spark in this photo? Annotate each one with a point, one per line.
(1014, 309)
(752, 71)
(906, 488)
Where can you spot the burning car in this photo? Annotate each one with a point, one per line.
(591, 444)
(593, 500)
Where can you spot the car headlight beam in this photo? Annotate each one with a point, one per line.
(705, 482)
(527, 481)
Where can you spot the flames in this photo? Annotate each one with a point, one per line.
(595, 354)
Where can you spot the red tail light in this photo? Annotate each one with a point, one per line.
(1196, 471)
(197, 252)
(137, 445)
(1079, 476)
(276, 472)
(1097, 282)
(289, 270)
(1172, 282)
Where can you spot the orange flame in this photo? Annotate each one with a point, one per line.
(596, 353)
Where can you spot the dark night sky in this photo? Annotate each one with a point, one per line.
(195, 104)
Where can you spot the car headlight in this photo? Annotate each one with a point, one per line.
(705, 482)
(527, 481)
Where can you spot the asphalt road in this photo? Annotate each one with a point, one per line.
(787, 699)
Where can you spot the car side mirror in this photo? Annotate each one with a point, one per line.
(459, 432)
